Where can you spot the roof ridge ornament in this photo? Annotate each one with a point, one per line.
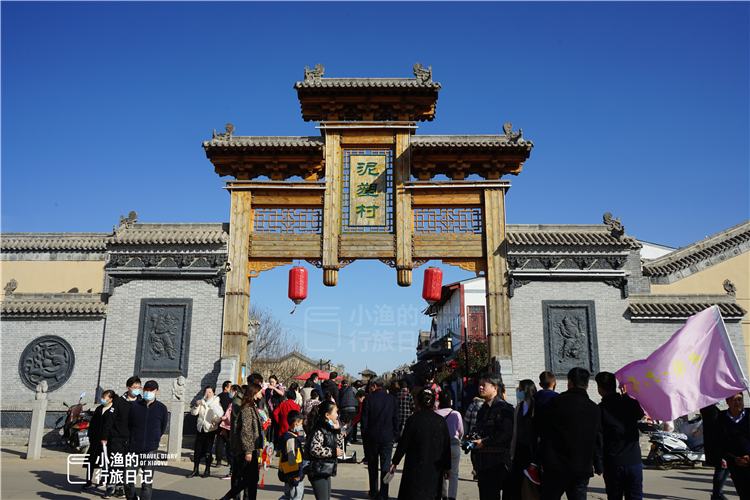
(730, 288)
(515, 137)
(11, 286)
(314, 75)
(126, 222)
(224, 136)
(614, 225)
(423, 75)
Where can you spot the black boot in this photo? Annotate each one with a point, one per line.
(207, 472)
(195, 468)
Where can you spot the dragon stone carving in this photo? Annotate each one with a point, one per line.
(514, 137)
(423, 75)
(614, 225)
(224, 136)
(314, 75)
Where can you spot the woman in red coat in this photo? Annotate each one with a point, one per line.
(281, 411)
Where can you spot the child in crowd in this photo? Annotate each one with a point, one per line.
(290, 461)
(548, 382)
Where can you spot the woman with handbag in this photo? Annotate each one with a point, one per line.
(325, 445)
(246, 440)
(209, 413)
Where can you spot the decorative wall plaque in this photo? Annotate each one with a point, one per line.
(163, 337)
(570, 336)
(48, 358)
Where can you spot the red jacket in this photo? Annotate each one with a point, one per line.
(281, 413)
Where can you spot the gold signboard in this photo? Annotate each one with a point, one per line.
(367, 196)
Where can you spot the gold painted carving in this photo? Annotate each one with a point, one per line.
(255, 267)
(477, 266)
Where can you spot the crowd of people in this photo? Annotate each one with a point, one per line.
(550, 444)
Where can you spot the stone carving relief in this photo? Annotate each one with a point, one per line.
(570, 336)
(514, 137)
(126, 222)
(178, 388)
(10, 287)
(314, 75)
(48, 359)
(614, 225)
(41, 390)
(167, 260)
(423, 75)
(730, 288)
(163, 337)
(224, 136)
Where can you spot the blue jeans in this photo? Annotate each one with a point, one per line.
(622, 480)
(375, 452)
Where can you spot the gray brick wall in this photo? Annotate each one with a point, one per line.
(83, 335)
(121, 333)
(619, 340)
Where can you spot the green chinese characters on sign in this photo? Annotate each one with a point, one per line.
(367, 191)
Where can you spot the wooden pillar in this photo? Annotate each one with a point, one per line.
(498, 305)
(332, 208)
(237, 299)
(403, 216)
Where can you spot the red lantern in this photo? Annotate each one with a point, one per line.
(297, 285)
(433, 283)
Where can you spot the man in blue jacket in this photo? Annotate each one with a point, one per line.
(379, 431)
(148, 421)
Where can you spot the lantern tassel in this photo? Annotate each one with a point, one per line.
(295, 308)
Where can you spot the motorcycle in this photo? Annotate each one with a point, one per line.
(75, 430)
(670, 449)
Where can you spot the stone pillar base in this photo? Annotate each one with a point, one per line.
(229, 371)
(176, 419)
(36, 430)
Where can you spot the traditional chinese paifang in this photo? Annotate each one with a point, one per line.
(367, 196)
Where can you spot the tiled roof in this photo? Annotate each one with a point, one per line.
(699, 251)
(240, 141)
(170, 234)
(682, 309)
(40, 242)
(452, 141)
(53, 304)
(366, 82)
(529, 235)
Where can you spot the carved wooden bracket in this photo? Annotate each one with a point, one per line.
(477, 266)
(254, 267)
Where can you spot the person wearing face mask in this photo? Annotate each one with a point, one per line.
(148, 422)
(325, 444)
(115, 432)
(94, 431)
(523, 444)
(209, 414)
(290, 460)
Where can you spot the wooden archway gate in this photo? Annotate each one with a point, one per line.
(368, 193)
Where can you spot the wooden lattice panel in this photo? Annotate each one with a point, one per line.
(288, 220)
(448, 220)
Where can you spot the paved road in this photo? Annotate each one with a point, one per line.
(47, 478)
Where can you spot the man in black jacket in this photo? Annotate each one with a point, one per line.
(148, 421)
(331, 386)
(623, 466)
(379, 430)
(734, 442)
(115, 435)
(490, 455)
(572, 423)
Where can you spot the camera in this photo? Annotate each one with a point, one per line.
(467, 444)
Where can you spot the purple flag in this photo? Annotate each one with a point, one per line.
(695, 368)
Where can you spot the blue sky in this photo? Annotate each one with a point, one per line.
(640, 109)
